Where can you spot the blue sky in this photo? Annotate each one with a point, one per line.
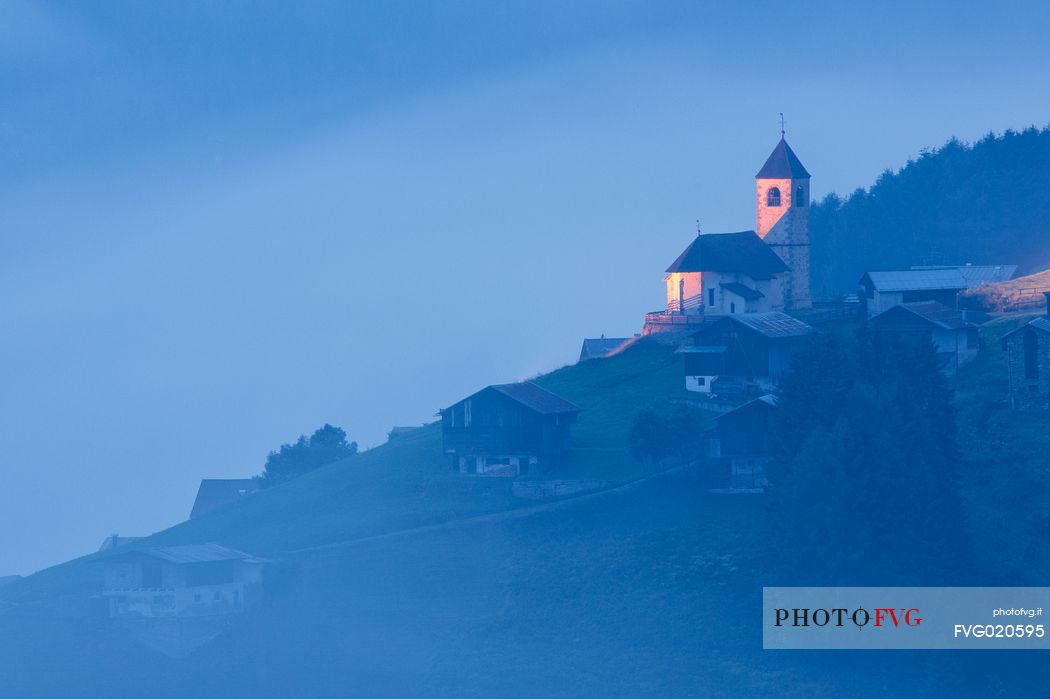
(226, 223)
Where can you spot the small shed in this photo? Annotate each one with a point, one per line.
(880, 291)
(745, 350)
(214, 493)
(956, 339)
(116, 541)
(1028, 362)
(174, 581)
(507, 429)
(740, 444)
(600, 347)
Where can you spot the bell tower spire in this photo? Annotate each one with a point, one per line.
(782, 217)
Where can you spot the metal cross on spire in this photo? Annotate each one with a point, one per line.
(782, 124)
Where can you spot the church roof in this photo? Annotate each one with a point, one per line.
(742, 252)
(782, 164)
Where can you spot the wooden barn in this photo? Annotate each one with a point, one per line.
(880, 291)
(1028, 362)
(956, 339)
(507, 430)
(742, 354)
(740, 444)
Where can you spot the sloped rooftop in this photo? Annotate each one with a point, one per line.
(539, 399)
(916, 280)
(782, 164)
(742, 252)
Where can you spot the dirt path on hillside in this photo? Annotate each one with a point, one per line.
(502, 515)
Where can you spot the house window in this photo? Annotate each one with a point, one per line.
(773, 196)
(732, 307)
(701, 380)
(711, 297)
(1031, 358)
(466, 414)
(800, 196)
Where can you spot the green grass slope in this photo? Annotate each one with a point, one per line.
(406, 483)
(1005, 466)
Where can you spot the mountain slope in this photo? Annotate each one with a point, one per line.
(985, 203)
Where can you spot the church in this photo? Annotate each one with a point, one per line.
(754, 271)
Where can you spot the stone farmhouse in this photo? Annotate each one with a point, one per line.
(1028, 363)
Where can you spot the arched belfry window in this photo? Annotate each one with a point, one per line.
(800, 196)
(773, 196)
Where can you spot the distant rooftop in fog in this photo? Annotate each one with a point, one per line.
(975, 275)
(213, 493)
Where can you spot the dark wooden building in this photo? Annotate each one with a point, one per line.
(955, 338)
(506, 430)
(740, 445)
(743, 353)
(1028, 362)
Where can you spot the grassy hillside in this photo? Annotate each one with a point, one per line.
(1020, 292)
(1006, 467)
(984, 203)
(406, 483)
(648, 589)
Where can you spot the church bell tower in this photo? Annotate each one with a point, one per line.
(782, 218)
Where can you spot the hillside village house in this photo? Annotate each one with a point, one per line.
(116, 541)
(181, 581)
(765, 269)
(742, 354)
(507, 430)
(214, 493)
(599, 347)
(740, 446)
(881, 291)
(957, 340)
(1028, 363)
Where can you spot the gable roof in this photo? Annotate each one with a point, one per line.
(782, 164)
(767, 401)
(116, 541)
(932, 312)
(975, 275)
(743, 291)
(742, 252)
(916, 280)
(771, 324)
(1041, 324)
(213, 493)
(597, 347)
(535, 398)
(528, 394)
(192, 553)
